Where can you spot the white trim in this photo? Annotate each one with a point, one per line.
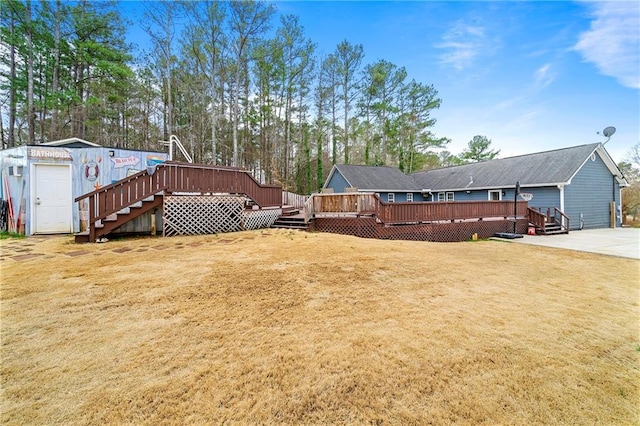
(32, 194)
(391, 197)
(453, 196)
(492, 191)
(608, 162)
(331, 173)
(70, 140)
(409, 195)
(484, 188)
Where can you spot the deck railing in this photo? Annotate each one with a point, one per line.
(345, 203)
(292, 199)
(405, 213)
(537, 218)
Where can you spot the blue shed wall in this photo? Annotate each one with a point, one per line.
(589, 194)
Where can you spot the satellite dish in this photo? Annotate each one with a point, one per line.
(609, 131)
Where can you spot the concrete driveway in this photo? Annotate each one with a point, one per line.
(621, 242)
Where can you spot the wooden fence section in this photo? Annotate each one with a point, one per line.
(350, 204)
(347, 203)
(294, 200)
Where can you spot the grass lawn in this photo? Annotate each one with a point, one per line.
(288, 327)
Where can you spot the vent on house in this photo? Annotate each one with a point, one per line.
(15, 171)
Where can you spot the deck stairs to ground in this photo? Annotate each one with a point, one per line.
(115, 220)
(552, 222)
(111, 206)
(291, 218)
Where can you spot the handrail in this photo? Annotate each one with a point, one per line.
(537, 218)
(308, 209)
(564, 217)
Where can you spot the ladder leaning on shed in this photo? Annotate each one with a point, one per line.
(120, 202)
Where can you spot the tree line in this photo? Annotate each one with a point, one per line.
(237, 83)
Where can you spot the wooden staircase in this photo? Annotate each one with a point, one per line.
(116, 220)
(120, 202)
(550, 223)
(291, 218)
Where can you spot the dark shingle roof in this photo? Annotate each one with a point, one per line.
(539, 169)
(376, 178)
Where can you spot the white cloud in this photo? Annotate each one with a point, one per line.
(463, 43)
(544, 76)
(612, 42)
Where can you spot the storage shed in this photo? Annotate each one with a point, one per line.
(40, 182)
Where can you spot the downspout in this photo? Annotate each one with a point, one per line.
(561, 188)
(615, 205)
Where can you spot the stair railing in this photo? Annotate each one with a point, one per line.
(561, 219)
(117, 196)
(537, 218)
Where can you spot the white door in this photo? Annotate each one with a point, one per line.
(52, 199)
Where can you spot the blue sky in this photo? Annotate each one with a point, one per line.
(531, 76)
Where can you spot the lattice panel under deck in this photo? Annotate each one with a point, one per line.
(359, 227)
(258, 219)
(440, 232)
(194, 215)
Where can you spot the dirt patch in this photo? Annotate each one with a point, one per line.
(317, 328)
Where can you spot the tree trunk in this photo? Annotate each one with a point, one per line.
(31, 118)
(56, 70)
(12, 84)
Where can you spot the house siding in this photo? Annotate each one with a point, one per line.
(544, 197)
(589, 194)
(337, 182)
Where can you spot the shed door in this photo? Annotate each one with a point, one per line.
(52, 199)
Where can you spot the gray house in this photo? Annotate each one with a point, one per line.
(389, 183)
(583, 182)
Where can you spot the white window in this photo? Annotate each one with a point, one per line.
(409, 197)
(495, 195)
(449, 196)
(391, 197)
(441, 196)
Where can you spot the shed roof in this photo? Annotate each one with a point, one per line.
(556, 167)
(374, 178)
(70, 141)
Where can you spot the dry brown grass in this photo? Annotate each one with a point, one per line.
(285, 327)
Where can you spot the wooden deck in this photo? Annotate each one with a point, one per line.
(114, 205)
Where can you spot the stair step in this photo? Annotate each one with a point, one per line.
(285, 226)
(559, 231)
